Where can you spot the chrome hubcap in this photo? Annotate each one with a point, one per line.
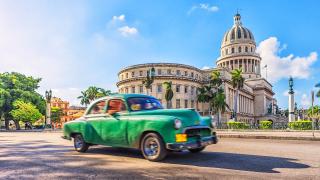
(78, 143)
(151, 147)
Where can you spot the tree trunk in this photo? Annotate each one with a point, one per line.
(219, 122)
(6, 122)
(17, 125)
(235, 109)
(202, 104)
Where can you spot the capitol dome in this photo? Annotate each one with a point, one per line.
(237, 33)
(238, 50)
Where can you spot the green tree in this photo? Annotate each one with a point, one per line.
(168, 94)
(219, 104)
(15, 86)
(149, 79)
(214, 95)
(203, 96)
(316, 111)
(56, 114)
(84, 100)
(237, 82)
(25, 112)
(91, 94)
(318, 92)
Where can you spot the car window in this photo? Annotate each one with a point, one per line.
(143, 103)
(98, 108)
(116, 105)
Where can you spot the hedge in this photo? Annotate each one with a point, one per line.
(265, 124)
(301, 125)
(237, 125)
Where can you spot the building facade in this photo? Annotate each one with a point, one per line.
(238, 50)
(68, 112)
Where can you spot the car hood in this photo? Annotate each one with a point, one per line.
(189, 117)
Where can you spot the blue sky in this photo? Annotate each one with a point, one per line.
(75, 44)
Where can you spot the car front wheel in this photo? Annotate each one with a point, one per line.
(196, 150)
(79, 144)
(153, 147)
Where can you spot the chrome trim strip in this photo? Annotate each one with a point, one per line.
(195, 127)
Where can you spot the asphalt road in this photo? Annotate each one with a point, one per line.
(36, 155)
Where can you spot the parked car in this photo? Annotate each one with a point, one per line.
(139, 121)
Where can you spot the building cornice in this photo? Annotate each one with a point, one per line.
(162, 77)
(238, 55)
(176, 65)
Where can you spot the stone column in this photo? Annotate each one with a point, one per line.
(291, 107)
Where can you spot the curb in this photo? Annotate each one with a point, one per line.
(268, 137)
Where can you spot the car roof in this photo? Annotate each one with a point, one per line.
(123, 96)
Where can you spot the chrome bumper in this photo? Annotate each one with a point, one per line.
(204, 141)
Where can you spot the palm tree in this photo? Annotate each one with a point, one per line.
(168, 93)
(84, 100)
(202, 96)
(318, 93)
(91, 94)
(149, 79)
(219, 104)
(237, 82)
(316, 110)
(215, 79)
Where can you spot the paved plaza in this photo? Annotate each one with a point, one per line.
(40, 155)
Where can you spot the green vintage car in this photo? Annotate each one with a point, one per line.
(139, 121)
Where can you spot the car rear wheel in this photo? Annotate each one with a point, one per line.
(196, 150)
(153, 147)
(79, 144)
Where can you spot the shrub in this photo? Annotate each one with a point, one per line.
(301, 125)
(237, 125)
(265, 124)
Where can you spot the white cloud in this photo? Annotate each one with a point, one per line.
(205, 67)
(283, 67)
(119, 18)
(204, 6)
(127, 31)
(305, 101)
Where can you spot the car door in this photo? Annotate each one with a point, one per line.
(94, 117)
(114, 126)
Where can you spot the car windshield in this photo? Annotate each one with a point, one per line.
(143, 103)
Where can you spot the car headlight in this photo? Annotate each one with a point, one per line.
(177, 123)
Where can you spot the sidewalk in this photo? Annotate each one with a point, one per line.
(285, 135)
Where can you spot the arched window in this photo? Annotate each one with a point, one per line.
(251, 49)
(239, 33)
(232, 50)
(246, 49)
(233, 34)
(245, 33)
(239, 49)
(226, 51)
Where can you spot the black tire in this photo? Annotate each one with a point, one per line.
(79, 144)
(196, 150)
(153, 147)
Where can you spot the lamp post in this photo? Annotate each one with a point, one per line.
(48, 95)
(291, 101)
(149, 79)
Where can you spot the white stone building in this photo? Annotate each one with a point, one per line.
(237, 51)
